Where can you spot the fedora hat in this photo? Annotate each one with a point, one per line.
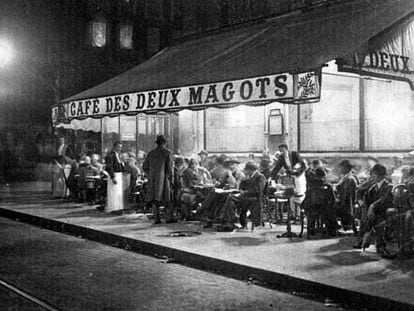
(232, 160)
(251, 166)
(160, 139)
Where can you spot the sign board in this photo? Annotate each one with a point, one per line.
(254, 91)
(390, 55)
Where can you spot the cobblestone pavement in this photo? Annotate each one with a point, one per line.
(75, 274)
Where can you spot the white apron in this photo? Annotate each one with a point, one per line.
(300, 187)
(115, 194)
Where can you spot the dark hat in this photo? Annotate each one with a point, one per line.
(203, 152)
(179, 160)
(264, 162)
(232, 160)
(379, 169)
(320, 173)
(346, 165)
(251, 166)
(160, 139)
(221, 158)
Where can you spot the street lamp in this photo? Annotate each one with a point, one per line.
(6, 53)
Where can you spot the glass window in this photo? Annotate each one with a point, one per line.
(128, 133)
(333, 123)
(238, 129)
(125, 36)
(110, 133)
(98, 34)
(389, 115)
(142, 125)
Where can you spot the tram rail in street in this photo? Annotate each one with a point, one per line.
(27, 296)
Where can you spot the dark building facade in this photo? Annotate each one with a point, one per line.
(65, 46)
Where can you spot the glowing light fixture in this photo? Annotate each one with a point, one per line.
(6, 53)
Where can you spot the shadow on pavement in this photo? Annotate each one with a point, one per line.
(244, 241)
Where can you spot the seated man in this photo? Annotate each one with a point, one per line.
(214, 202)
(378, 199)
(91, 185)
(249, 199)
(320, 203)
(232, 164)
(221, 174)
(193, 176)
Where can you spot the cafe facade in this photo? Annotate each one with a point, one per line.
(248, 89)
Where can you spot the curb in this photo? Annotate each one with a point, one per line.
(269, 279)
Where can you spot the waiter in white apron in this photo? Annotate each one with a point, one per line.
(294, 165)
(115, 167)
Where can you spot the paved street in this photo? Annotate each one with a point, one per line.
(75, 274)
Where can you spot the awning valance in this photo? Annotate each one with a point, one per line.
(388, 55)
(250, 65)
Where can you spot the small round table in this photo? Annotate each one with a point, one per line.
(288, 233)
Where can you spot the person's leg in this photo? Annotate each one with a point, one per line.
(169, 213)
(408, 231)
(156, 211)
(243, 213)
(329, 218)
(255, 208)
(228, 212)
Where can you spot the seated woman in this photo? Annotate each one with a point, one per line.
(378, 199)
(319, 203)
(346, 196)
(249, 199)
(193, 176)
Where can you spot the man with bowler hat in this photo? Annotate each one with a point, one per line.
(158, 166)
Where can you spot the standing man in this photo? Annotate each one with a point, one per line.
(114, 167)
(294, 165)
(291, 161)
(158, 166)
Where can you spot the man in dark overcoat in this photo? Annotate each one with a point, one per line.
(158, 166)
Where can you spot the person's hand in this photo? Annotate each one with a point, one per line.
(114, 181)
(371, 214)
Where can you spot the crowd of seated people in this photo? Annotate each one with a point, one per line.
(87, 178)
(362, 199)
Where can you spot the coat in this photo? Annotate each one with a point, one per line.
(295, 159)
(158, 166)
(346, 192)
(379, 199)
(112, 164)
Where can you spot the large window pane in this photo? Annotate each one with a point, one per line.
(389, 112)
(333, 123)
(110, 133)
(128, 133)
(238, 129)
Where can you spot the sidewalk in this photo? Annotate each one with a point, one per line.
(320, 268)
